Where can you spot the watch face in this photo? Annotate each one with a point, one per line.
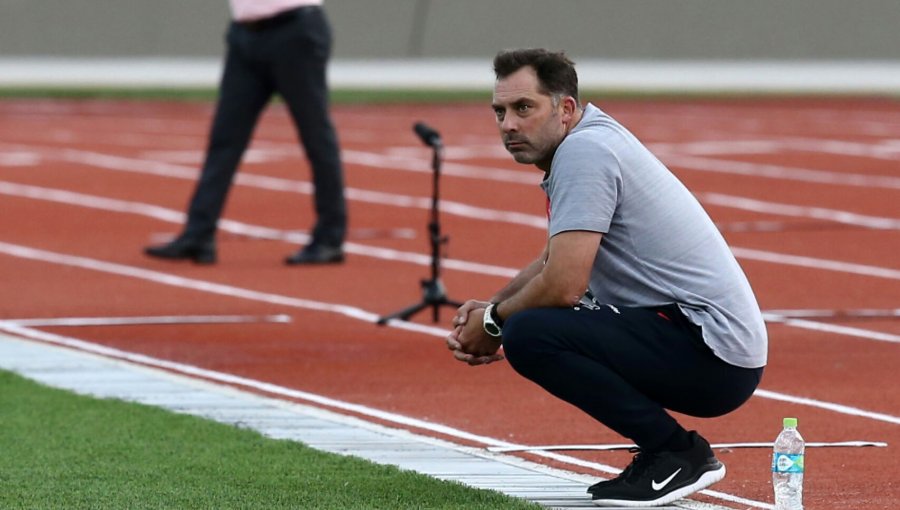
(491, 329)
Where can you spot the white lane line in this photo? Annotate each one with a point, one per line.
(717, 147)
(210, 287)
(717, 446)
(464, 210)
(120, 163)
(302, 187)
(830, 406)
(832, 328)
(236, 227)
(801, 319)
(125, 164)
(160, 319)
(840, 313)
(366, 411)
(824, 122)
(882, 149)
(528, 177)
(779, 172)
(346, 310)
(816, 263)
(171, 216)
(818, 213)
(19, 158)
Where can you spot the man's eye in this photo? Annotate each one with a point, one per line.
(522, 108)
(498, 113)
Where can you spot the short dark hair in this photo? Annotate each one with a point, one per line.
(555, 72)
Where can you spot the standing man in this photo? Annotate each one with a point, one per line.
(274, 46)
(636, 305)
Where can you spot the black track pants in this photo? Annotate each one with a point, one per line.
(626, 366)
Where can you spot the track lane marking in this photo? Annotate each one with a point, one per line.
(816, 263)
(817, 213)
(147, 320)
(319, 306)
(278, 184)
(832, 328)
(177, 217)
(121, 163)
(779, 172)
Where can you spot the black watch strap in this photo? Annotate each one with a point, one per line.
(495, 315)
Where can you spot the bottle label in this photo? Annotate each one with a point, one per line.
(787, 463)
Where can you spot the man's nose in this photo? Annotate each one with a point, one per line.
(509, 124)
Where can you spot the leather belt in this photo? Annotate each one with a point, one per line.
(258, 25)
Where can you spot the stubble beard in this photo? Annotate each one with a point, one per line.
(530, 155)
(533, 154)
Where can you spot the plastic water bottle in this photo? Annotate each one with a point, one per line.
(787, 467)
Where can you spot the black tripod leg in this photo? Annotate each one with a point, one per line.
(443, 301)
(404, 314)
(432, 301)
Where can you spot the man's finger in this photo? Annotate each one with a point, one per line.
(453, 344)
(461, 356)
(485, 360)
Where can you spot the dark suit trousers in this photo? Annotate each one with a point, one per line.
(288, 58)
(626, 366)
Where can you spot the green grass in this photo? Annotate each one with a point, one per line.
(63, 451)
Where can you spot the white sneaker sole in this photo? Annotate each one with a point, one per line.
(706, 479)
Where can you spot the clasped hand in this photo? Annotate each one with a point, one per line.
(468, 340)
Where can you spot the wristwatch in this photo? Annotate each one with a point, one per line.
(492, 323)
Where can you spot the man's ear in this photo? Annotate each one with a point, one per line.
(569, 107)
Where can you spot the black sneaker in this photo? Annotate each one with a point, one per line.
(654, 479)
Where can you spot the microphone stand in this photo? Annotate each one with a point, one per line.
(433, 291)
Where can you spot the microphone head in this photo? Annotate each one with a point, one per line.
(428, 135)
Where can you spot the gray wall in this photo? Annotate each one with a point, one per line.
(605, 29)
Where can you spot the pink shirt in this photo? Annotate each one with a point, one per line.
(249, 10)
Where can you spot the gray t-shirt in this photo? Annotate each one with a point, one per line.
(659, 246)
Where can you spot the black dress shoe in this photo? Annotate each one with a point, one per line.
(201, 252)
(317, 254)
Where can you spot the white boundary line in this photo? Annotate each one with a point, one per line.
(718, 446)
(346, 310)
(779, 172)
(832, 328)
(816, 263)
(529, 178)
(797, 211)
(211, 287)
(161, 319)
(848, 313)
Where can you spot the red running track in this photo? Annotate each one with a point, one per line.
(807, 192)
